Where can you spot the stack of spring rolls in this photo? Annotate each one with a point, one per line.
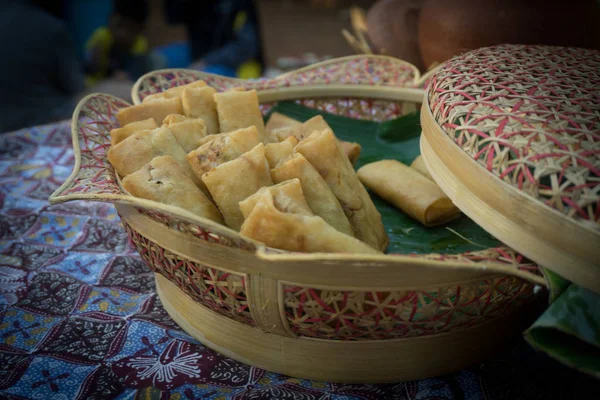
(290, 185)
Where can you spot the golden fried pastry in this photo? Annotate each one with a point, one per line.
(324, 152)
(163, 180)
(410, 191)
(239, 109)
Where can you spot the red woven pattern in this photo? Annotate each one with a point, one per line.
(363, 70)
(369, 109)
(356, 315)
(200, 232)
(220, 291)
(531, 116)
(95, 120)
(499, 255)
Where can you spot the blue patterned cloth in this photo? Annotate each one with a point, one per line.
(80, 319)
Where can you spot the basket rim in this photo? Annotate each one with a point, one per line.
(270, 263)
(418, 80)
(261, 251)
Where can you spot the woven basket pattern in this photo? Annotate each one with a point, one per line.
(364, 71)
(200, 232)
(221, 291)
(368, 109)
(502, 255)
(355, 315)
(96, 174)
(530, 115)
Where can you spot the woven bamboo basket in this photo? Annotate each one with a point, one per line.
(512, 135)
(334, 317)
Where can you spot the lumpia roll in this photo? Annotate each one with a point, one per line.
(316, 123)
(288, 197)
(210, 138)
(176, 91)
(275, 152)
(239, 109)
(352, 151)
(319, 196)
(224, 148)
(157, 109)
(198, 102)
(163, 180)
(141, 147)
(419, 165)
(410, 191)
(278, 120)
(281, 134)
(323, 151)
(305, 129)
(187, 131)
(233, 181)
(119, 134)
(297, 232)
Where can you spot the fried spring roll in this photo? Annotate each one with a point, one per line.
(323, 151)
(234, 181)
(288, 197)
(316, 123)
(352, 151)
(157, 109)
(305, 129)
(419, 165)
(141, 147)
(119, 134)
(280, 134)
(224, 148)
(276, 152)
(319, 196)
(163, 180)
(239, 109)
(278, 121)
(176, 91)
(410, 191)
(286, 230)
(198, 102)
(188, 131)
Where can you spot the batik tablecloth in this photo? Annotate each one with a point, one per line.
(80, 319)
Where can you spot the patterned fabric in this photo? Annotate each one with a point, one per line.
(80, 319)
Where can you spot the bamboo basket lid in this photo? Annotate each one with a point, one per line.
(512, 134)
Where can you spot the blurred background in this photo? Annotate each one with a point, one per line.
(55, 52)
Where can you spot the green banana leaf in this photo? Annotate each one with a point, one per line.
(398, 139)
(569, 330)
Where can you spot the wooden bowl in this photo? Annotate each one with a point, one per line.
(333, 317)
(511, 133)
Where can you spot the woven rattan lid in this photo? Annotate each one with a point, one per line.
(512, 134)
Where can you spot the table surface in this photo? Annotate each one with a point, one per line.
(80, 318)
